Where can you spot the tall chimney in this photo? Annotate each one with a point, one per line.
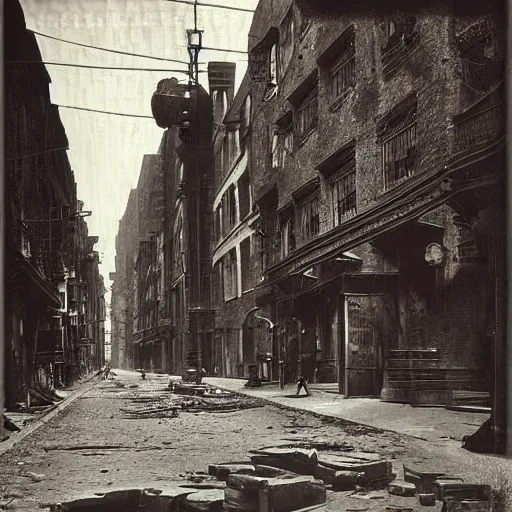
(221, 82)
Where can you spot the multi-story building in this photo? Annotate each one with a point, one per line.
(377, 167)
(243, 339)
(184, 259)
(45, 231)
(149, 339)
(123, 285)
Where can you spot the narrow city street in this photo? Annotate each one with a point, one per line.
(112, 437)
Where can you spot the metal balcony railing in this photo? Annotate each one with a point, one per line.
(480, 125)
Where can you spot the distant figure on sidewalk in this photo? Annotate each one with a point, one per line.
(302, 383)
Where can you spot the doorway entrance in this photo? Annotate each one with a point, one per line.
(369, 330)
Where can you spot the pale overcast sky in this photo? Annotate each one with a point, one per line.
(106, 151)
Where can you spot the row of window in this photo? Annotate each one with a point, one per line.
(398, 151)
(234, 206)
(400, 33)
(342, 197)
(234, 140)
(226, 273)
(338, 67)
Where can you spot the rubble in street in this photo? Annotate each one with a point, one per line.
(296, 478)
(187, 397)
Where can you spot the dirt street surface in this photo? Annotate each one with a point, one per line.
(113, 437)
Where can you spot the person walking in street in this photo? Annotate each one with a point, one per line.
(302, 383)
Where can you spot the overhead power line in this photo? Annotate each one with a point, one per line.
(215, 6)
(223, 50)
(37, 154)
(105, 112)
(108, 49)
(67, 64)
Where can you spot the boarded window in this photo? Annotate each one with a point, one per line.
(218, 284)
(244, 194)
(228, 210)
(218, 224)
(307, 115)
(400, 36)
(234, 146)
(399, 156)
(273, 65)
(282, 146)
(286, 41)
(310, 218)
(245, 264)
(343, 194)
(230, 275)
(287, 236)
(343, 72)
(396, 133)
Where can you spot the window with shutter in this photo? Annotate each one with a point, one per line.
(307, 116)
(310, 218)
(343, 193)
(286, 41)
(396, 133)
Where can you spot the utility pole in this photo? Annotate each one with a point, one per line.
(194, 47)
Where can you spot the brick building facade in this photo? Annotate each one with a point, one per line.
(49, 287)
(241, 339)
(123, 285)
(377, 175)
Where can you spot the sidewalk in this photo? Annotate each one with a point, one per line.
(428, 423)
(69, 395)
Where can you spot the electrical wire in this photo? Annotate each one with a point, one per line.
(106, 49)
(130, 53)
(36, 154)
(67, 64)
(223, 50)
(105, 112)
(216, 6)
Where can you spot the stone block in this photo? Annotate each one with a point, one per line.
(423, 480)
(458, 491)
(467, 506)
(208, 500)
(346, 480)
(372, 470)
(284, 462)
(222, 471)
(324, 473)
(273, 494)
(427, 500)
(400, 488)
(271, 472)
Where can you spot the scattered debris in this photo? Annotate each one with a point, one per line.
(36, 477)
(423, 480)
(427, 500)
(399, 488)
(279, 494)
(222, 471)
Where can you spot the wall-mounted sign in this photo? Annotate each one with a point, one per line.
(434, 254)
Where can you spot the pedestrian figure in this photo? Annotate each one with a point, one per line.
(302, 383)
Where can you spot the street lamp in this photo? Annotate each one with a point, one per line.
(195, 39)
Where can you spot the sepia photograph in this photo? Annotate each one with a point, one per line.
(255, 256)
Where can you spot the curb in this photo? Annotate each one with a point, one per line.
(333, 419)
(32, 427)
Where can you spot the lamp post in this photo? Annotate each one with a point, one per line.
(194, 45)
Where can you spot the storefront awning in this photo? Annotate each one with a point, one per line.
(44, 289)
